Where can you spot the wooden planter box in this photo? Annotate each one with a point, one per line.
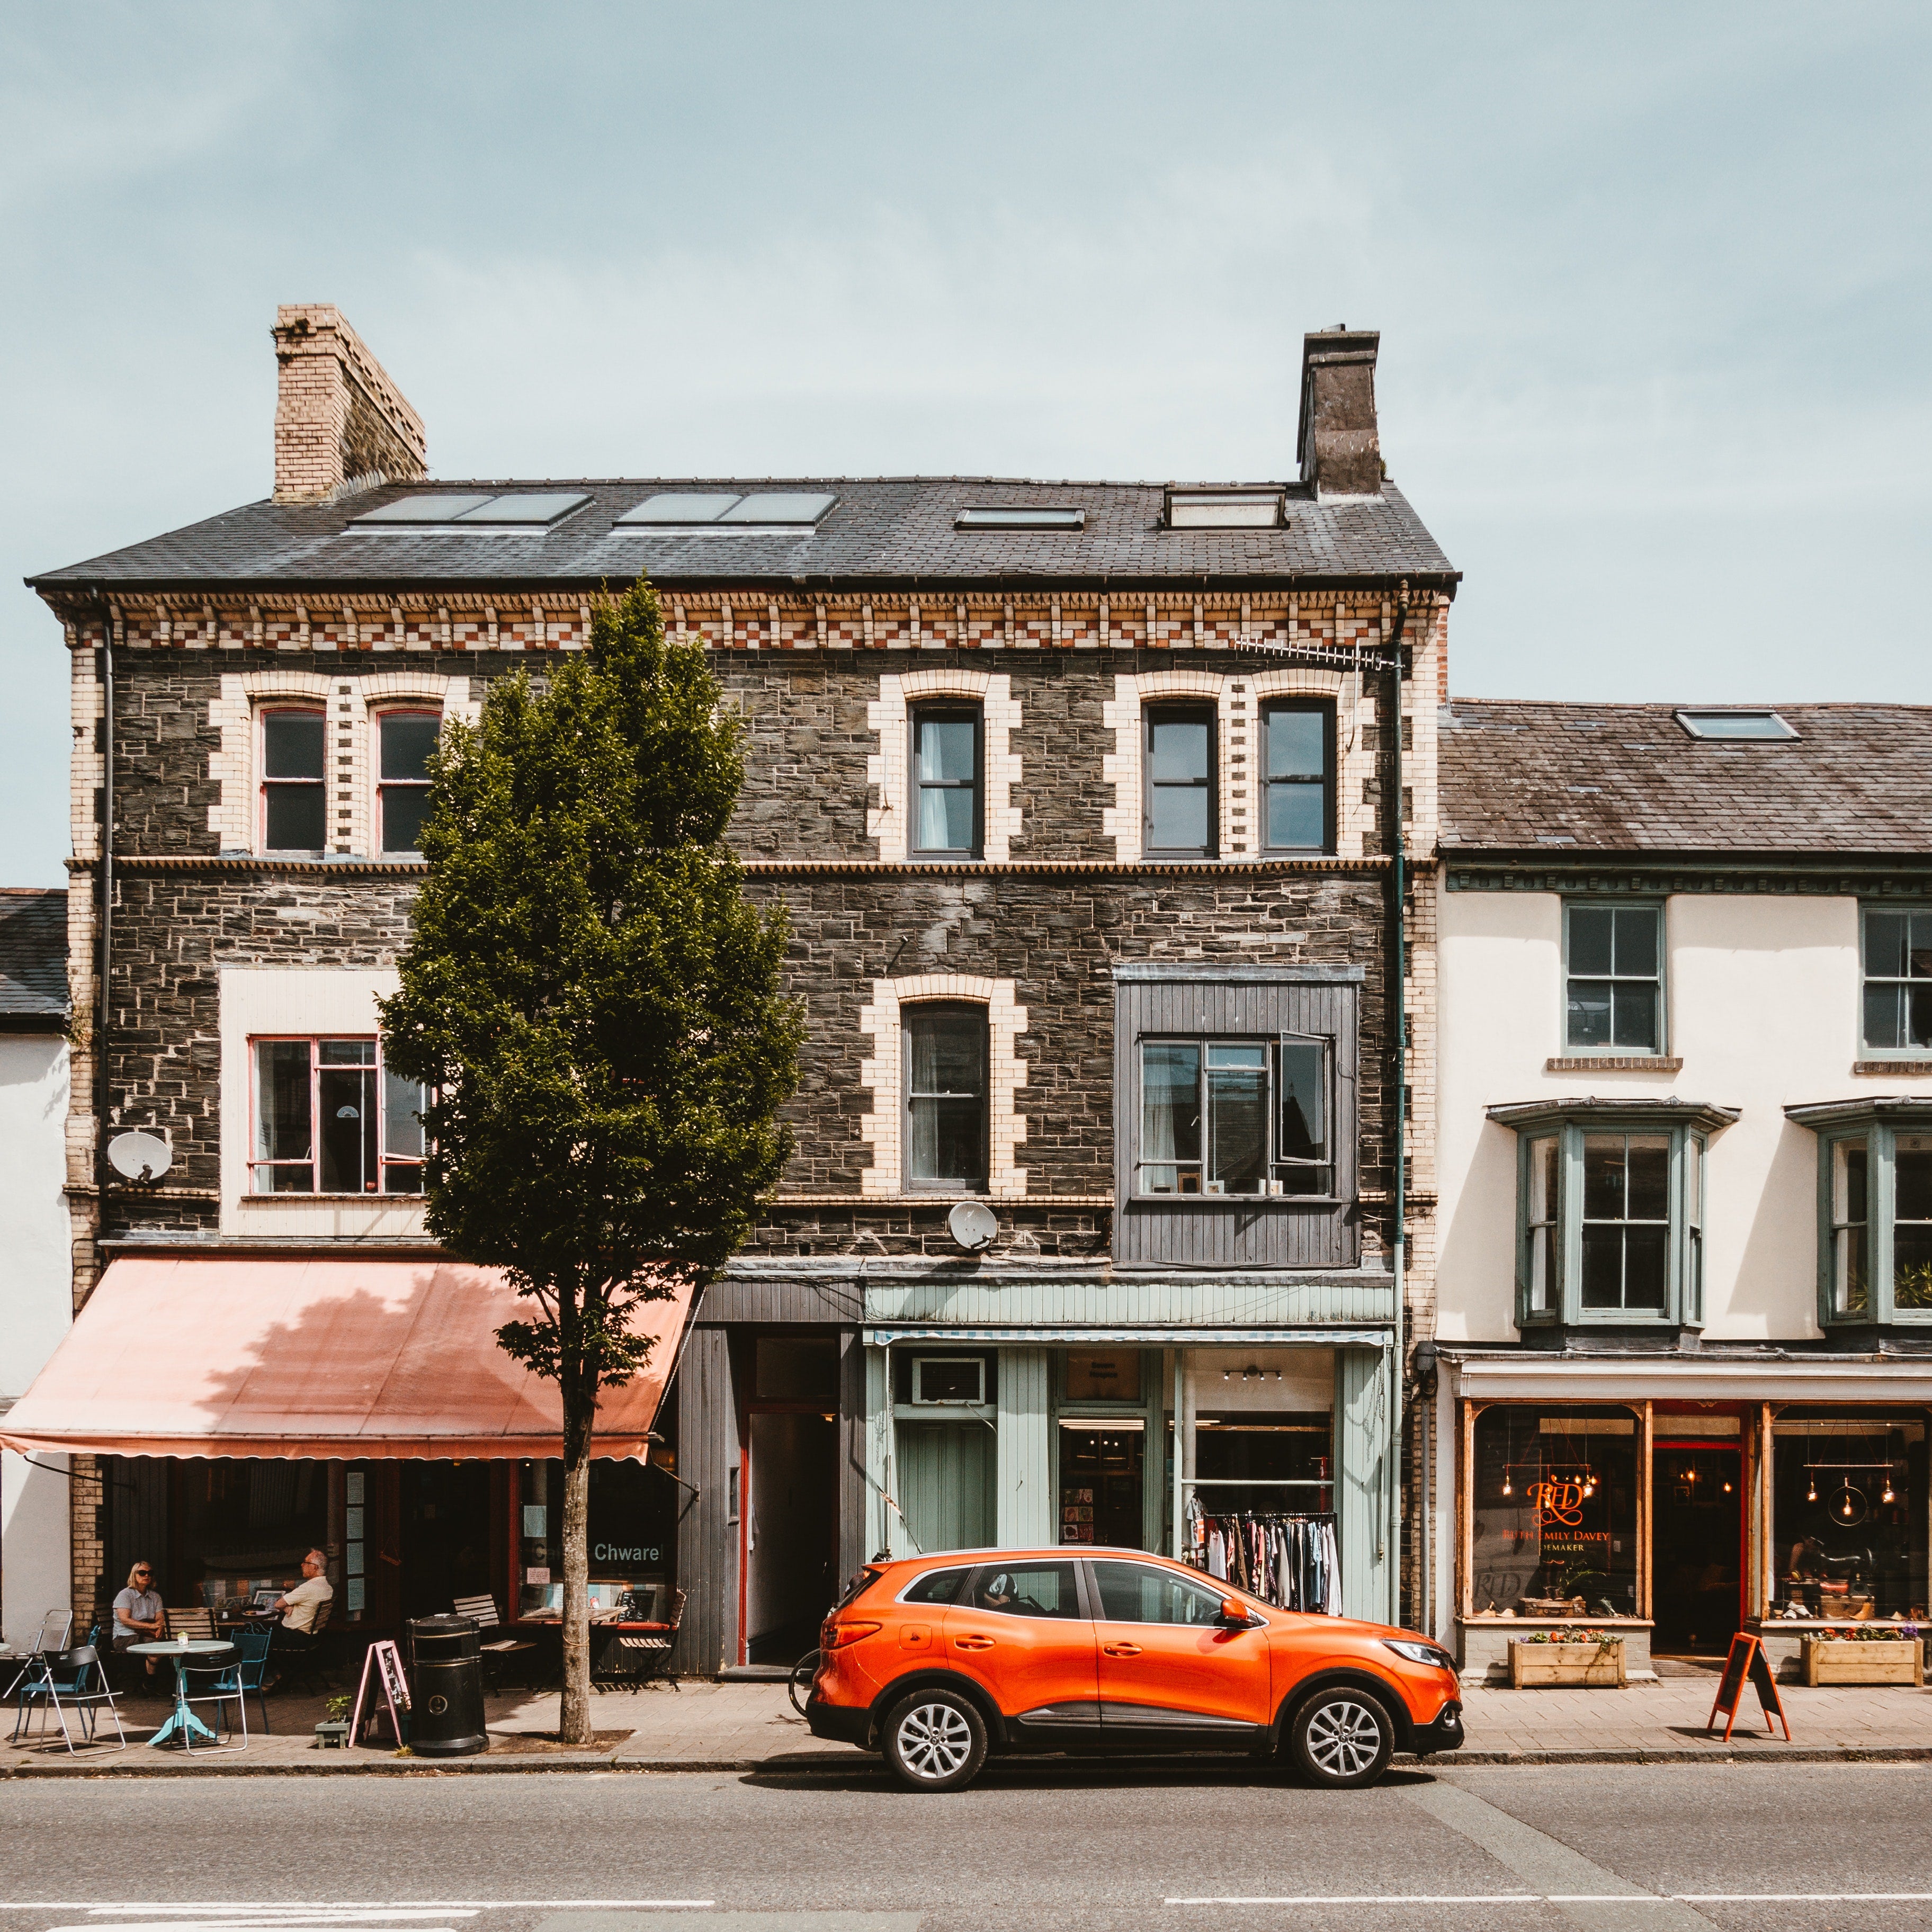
(1854, 1661)
(1577, 1666)
(333, 1735)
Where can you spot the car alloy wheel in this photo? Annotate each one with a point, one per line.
(935, 1741)
(1342, 1738)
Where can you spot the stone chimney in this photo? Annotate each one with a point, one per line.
(1339, 451)
(338, 417)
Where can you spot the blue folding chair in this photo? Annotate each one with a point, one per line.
(50, 1677)
(250, 1670)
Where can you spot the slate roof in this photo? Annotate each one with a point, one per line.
(33, 957)
(1605, 778)
(885, 529)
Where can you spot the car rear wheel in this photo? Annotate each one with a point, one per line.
(1341, 1739)
(935, 1741)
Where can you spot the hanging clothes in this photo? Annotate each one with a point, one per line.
(1287, 1559)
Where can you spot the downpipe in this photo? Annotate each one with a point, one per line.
(1398, 1032)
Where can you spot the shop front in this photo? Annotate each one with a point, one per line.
(1742, 1492)
(1259, 1455)
(244, 1410)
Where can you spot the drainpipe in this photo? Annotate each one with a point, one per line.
(1398, 1026)
(102, 1085)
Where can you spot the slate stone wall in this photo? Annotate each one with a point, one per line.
(1056, 938)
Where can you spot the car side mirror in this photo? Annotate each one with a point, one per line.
(1234, 1615)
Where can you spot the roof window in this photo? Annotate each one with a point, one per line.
(1020, 517)
(1734, 724)
(1237, 507)
(523, 510)
(681, 509)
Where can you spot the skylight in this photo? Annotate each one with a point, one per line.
(770, 509)
(1240, 506)
(1021, 517)
(1734, 724)
(519, 510)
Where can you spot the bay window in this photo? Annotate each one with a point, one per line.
(330, 1118)
(1610, 1210)
(1874, 1210)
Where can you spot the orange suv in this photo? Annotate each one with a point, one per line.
(935, 1660)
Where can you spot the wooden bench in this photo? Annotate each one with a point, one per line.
(496, 1652)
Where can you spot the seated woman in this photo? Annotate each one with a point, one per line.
(139, 1617)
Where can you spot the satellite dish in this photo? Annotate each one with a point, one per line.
(140, 1156)
(973, 1225)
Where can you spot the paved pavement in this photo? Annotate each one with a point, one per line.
(1676, 1848)
(732, 1726)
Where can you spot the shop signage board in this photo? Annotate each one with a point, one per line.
(385, 1663)
(1746, 1659)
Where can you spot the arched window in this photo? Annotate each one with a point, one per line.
(294, 807)
(405, 740)
(946, 1064)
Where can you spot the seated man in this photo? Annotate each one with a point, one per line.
(139, 1617)
(302, 1609)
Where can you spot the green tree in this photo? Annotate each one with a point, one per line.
(596, 1009)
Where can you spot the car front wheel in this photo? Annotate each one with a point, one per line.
(1341, 1739)
(935, 1741)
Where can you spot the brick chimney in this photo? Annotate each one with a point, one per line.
(338, 417)
(1339, 451)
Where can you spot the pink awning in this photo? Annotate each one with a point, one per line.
(247, 1356)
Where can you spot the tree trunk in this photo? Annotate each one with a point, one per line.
(574, 1719)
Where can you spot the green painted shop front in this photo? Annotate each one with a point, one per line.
(984, 1436)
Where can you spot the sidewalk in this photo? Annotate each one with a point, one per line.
(700, 1726)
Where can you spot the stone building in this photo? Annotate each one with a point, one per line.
(1082, 799)
(1685, 1151)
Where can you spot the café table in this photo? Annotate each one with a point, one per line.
(183, 1650)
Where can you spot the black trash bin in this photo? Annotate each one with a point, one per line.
(446, 1688)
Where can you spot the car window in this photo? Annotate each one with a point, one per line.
(936, 1586)
(1131, 1593)
(1026, 1590)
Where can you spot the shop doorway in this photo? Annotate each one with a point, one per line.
(791, 1532)
(446, 1544)
(1102, 1471)
(1696, 1560)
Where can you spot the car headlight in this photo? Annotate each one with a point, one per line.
(1420, 1653)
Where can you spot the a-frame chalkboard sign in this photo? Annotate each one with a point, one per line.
(1746, 1659)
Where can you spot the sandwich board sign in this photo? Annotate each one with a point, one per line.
(1746, 1659)
(385, 1663)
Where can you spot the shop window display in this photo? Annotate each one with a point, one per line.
(1848, 1515)
(1554, 1512)
(632, 1531)
(244, 1524)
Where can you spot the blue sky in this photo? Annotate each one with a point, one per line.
(1652, 281)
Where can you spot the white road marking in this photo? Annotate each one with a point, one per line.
(1568, 1898)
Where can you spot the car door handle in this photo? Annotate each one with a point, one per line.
(1121, 1649)
(972, 1643)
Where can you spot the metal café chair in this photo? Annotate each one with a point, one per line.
(79, 1695)
(56, 1633)
(218, 1684)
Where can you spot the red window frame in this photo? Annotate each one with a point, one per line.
(384, 786)
(385, 1161)
(263, 712)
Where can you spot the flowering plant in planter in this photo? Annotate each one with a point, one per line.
(1600, 1638)
(1878, 1632)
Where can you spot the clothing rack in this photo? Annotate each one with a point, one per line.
(1287, 1557)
